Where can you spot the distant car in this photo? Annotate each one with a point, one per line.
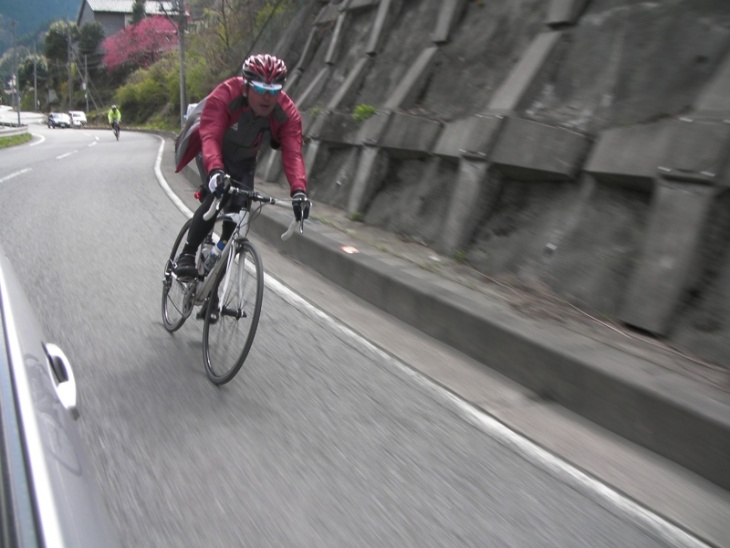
(78, 118)
(59, 119)
(48, 490)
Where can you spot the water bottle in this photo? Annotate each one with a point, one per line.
(215, 252)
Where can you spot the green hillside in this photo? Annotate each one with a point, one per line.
(31, 16)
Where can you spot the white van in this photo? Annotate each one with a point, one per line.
(78, 118)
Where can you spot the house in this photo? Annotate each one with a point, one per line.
(114, 15)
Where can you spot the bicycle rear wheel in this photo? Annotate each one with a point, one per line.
(177, 295)
(226, 343)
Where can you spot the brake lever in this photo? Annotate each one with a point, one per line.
(215, 206)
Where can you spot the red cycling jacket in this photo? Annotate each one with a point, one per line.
(230, 135)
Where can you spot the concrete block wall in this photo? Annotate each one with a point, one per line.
(472, 136)
(564, 12)
(408, 135)
(664, 159)
(614, 159)
(529, 150)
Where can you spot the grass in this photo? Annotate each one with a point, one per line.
(15, 140)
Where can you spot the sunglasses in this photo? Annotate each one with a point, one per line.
(262, 89)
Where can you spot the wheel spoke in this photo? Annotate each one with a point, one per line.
(177, 295)
(239, 288)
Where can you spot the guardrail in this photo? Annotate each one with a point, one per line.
(12, 130)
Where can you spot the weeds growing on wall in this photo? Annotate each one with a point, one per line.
(363, 112)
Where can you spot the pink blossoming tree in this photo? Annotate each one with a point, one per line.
(141, 44)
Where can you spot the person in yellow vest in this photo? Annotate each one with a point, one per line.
(114, 115)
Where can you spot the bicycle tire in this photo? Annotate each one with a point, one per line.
(239, 313)
(177, 302)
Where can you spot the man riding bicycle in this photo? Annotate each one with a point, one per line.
(226, 140)
(114, 115)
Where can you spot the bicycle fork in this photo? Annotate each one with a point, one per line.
(225, 261)
(237, 310)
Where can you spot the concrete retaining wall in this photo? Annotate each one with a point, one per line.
(560, 91)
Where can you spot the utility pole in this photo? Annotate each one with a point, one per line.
(86, 81)
(181, 26)
(70, 79)
(179, 7)
(35, 79)
(15, 73)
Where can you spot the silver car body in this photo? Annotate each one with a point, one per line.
(78, 118)
(49, 493)
(59, 119)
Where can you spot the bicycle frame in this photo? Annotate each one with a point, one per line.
(239, 234)
(198, 291)
(238, 297)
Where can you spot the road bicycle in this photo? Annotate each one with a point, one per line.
(231, 293)
(116, 129)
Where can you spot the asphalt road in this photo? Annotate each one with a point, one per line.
(322, 439)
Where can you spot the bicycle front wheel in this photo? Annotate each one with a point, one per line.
(238, 294)
(177, 296)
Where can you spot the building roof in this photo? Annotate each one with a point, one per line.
(89, 8)
(152, 7)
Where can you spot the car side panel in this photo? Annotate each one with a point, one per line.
(68, 507)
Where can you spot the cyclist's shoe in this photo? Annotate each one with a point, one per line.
(185, 266)
(214, 315)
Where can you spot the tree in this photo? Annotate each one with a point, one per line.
(91, 36)
(57, 46)
(8, 65)
(34, 68)
(140, 45)
(59, 37)
(138, 11)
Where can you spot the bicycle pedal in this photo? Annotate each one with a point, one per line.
(234, 313)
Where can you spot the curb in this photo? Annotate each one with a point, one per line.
(678, 418)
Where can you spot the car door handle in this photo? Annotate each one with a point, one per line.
(63, 378)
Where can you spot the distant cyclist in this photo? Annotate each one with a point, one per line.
(114, 116)
(234, 119)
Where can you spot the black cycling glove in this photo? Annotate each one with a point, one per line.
(300, 204)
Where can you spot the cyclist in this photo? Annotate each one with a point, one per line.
(114, 115)
(231, 128)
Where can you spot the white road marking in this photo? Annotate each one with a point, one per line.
(66, 155)
(163, 183)
(610, 499)
(26, 170)
(40, 137)
(607, 497)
